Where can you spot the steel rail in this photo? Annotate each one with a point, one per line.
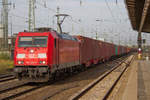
(7, 79)
(90, 86)
(115, 83)
(21, 93)
(9, 86)
(5, 75)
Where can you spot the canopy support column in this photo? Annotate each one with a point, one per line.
(144, 14)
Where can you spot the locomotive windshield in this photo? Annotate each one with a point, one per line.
(33, 41)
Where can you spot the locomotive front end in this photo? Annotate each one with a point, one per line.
(31, 56)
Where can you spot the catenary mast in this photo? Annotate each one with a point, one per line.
(5, 22)
(31, 20)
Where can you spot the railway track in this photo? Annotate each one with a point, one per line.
(18, 91)
(11, 85)
(6, 77)
(58, 90)
(26, 91)
(101, 88)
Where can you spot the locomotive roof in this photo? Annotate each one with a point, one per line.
(66, 36)
(59, 35)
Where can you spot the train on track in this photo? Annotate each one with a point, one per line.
(41, 55)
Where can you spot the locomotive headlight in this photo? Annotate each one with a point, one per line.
(44, 62)
(31, 51)
(20, 55)
(42, 55)
(20, 62)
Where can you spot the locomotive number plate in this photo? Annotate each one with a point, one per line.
(32, 56)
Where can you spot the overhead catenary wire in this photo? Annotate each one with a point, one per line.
(21, 17)
(110, 11)
(121, 13)
(121, 19)
(74, 20)
(25, 18)
(50, 9)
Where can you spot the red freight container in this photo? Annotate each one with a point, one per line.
(94, 51)
(68, 53)
(86, 50)
(91, 51)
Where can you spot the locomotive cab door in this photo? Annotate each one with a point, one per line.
(56, 46)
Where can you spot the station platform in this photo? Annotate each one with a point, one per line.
(138, 82)
(144, 80)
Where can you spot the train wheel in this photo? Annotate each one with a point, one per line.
(71, 71)
(49, 76)
(18, 76)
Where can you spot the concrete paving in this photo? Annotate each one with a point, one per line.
(143, 80)
(138, 85)
(130, 92)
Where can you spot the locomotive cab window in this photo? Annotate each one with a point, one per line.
(33, 41)
(40, 41)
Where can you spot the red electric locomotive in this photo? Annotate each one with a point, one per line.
(40, 54)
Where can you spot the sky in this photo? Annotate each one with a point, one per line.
(113, 18)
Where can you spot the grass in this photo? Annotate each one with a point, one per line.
(5, 66)
(5, 63)
(4, 56)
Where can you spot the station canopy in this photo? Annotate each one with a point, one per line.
(139, 14)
